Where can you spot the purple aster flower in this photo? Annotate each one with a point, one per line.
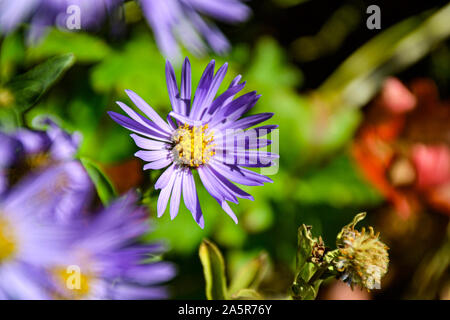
(109, 262)
(28, 151)
(181, 20)
(208, 136)
(28, 244)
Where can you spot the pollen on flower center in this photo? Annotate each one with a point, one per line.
(7, 241)
(193, 145)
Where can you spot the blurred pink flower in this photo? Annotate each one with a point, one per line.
(396, 98)
(432, 165)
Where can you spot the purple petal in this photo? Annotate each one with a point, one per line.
(202, 90)
(214, 37)
(165, 177)
(137, 127)
(164, 195)
(35, 141)
(235, 108)
(124, 291)
(185, 119)
(142, 120)
(231, 188)
(216, 193)
(13, 13)
(186, 90)
(150, 156)
(214, 187)
(227, 209)
(239, 175)
(231, 11)
(148, 144)
(159, 164)
(225, 97)
(176, 194)
(214, 87)
(172, 87)
(191, 198)
(245, 157)
(10, 148)
(240, 142)
(248, 121)
(150, 274)
(149, 112)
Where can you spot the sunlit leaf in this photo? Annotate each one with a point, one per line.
(305, 243)
(213, 270)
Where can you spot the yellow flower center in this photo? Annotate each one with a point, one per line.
(193, 145)
(7, 241)
(75, 284)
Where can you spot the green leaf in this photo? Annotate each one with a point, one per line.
(305, 244)
(250, 275)
(214, 271)
(302, 290)
(104, 187)
(27, 88)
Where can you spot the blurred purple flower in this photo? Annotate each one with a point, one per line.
(45, 13)
(172, 21)
(38, 255)
(110, 262)
(26, 152)
(181, 20)
(28, 243)
(200, 141)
